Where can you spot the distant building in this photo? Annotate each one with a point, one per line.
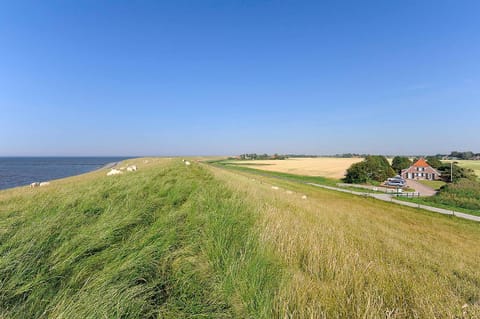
(420, 170)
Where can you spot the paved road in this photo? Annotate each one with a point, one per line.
(388, 198)
(419, 187)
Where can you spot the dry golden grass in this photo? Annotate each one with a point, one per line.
(320, 166)
(353, 257)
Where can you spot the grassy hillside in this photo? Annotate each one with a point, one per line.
(171, 241)
(166, 241)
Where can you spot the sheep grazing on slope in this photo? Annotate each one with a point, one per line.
(132, 168)
(304, 197)
(187, 163)
(114, 171)
(275, 187)
(44, 184)
(35, 184)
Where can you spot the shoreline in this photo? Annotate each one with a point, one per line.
(55, 173)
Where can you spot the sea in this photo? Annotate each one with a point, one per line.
(20, 171)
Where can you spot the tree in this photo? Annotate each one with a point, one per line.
(458, 172)
(433, 161)
(400, 162)
(372, 168)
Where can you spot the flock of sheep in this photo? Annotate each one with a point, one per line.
(288, 191)
(133, 168)
(114, 171)
(39, 184)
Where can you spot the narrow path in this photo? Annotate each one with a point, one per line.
(388, 198)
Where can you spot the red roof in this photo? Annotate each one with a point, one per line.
(421, 163)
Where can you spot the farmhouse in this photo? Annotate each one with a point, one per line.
(420, 170)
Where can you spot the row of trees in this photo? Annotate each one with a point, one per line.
(255, 156)
(464, 155)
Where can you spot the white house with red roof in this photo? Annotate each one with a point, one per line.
(420, 170)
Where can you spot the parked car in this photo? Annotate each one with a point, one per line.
(397, 183)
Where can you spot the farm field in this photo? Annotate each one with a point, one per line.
(177, 241)
(475, 165)
(319, 166)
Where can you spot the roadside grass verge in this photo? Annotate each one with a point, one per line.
(164, 242)
(424, 201)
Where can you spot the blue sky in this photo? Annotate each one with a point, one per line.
(228, 77)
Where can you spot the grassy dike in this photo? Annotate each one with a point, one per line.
(171, 241)
(167, 241)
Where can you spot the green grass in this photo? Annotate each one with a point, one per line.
(427, 202)
(166, 242)
(432, 184)
(176, 241)
(474, 165)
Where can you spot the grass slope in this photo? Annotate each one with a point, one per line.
(171, 241)
(353, 257)
(166, 242)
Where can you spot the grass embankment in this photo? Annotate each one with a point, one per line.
(354, 257)
(171, 241)
(166, 241)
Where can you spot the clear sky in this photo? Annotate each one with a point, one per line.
(228, 77)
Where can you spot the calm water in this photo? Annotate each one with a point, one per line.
(19, 171)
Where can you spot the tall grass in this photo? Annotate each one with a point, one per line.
(464, 193)
(352, 257)
(165, 242)
(176, 241)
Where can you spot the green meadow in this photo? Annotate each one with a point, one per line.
(201, 241)
(474, 165)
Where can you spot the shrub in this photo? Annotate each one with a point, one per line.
(372, 168)
(464, 193)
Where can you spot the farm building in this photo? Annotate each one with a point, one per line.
(420, 170)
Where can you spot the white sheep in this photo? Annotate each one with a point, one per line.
(44, 184)
(275, 187)
(187, 163)
(34, 184)
(304, 197)
(114, 171)
(132, 168)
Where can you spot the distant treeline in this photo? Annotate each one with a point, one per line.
(255, 156)
(469, 155)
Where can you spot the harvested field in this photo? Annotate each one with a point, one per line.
(319, 166)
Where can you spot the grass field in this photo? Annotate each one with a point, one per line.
(171, 241)
(330, 167)
(475, 165)
(432, 184)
